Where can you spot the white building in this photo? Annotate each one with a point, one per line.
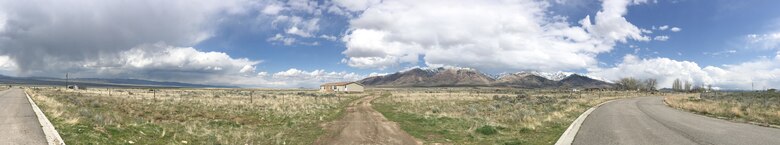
(341, 87)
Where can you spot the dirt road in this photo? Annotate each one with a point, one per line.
(363, 125)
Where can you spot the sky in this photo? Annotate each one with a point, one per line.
(298, 43)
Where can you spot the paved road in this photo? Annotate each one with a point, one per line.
(648, 121)
(18, 123)
(363, 125)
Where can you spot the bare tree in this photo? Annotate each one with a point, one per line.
(677, 85)
(688, 86)
(698, 88)
(650, 84)
(628, 83)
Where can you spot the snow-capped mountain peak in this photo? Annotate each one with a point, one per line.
(555, 76)
(599, 78)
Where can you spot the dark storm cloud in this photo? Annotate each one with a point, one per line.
(44, 37)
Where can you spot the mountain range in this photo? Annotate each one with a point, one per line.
(467, 77)
(416, 77)
(100, 82)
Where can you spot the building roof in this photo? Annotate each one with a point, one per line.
(338, 84)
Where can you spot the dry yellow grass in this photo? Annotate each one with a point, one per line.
(199, 116)
(757, 107)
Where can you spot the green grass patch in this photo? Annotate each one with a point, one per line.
(467, 131)
(487, 130)
(488, 115)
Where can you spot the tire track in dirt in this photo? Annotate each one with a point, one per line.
(363, 125)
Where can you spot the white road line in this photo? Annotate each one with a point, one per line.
(568, 136)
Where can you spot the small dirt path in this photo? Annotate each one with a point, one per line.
(363, 125)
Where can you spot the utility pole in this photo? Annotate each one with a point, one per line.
(66, 80)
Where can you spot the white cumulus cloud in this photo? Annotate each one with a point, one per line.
(664, 27)
(762, 73)
(291, 78)
(295, 77)
(663, 69)
(764, 41)
(356, 5)
(516, 35)
(272, 9)
(675, 29)
(7, 65)
(661, 38)
(166, 63)
(757, 74)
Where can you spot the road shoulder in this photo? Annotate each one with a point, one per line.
(52, 136)
(568, 136)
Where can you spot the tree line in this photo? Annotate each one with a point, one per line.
(650, 84)
(631, 83)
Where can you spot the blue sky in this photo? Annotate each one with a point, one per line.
(709, 26)
(299, 43)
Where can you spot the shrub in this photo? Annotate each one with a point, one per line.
(386, 94)
(521, 95)
(328, 95)
(487, 130)
(515, 142)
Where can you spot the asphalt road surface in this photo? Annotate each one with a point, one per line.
(18, 123)
(362, 125)
(648, 121)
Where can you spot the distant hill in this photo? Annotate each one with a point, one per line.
(418, 77)
(579, 81)
(101, 82)
(525, 80)
(462, 77)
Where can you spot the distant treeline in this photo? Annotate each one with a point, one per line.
(651, 84)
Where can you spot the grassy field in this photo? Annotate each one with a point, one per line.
(758, 107)
(487, 115)
(231, 116)
(189, 116)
